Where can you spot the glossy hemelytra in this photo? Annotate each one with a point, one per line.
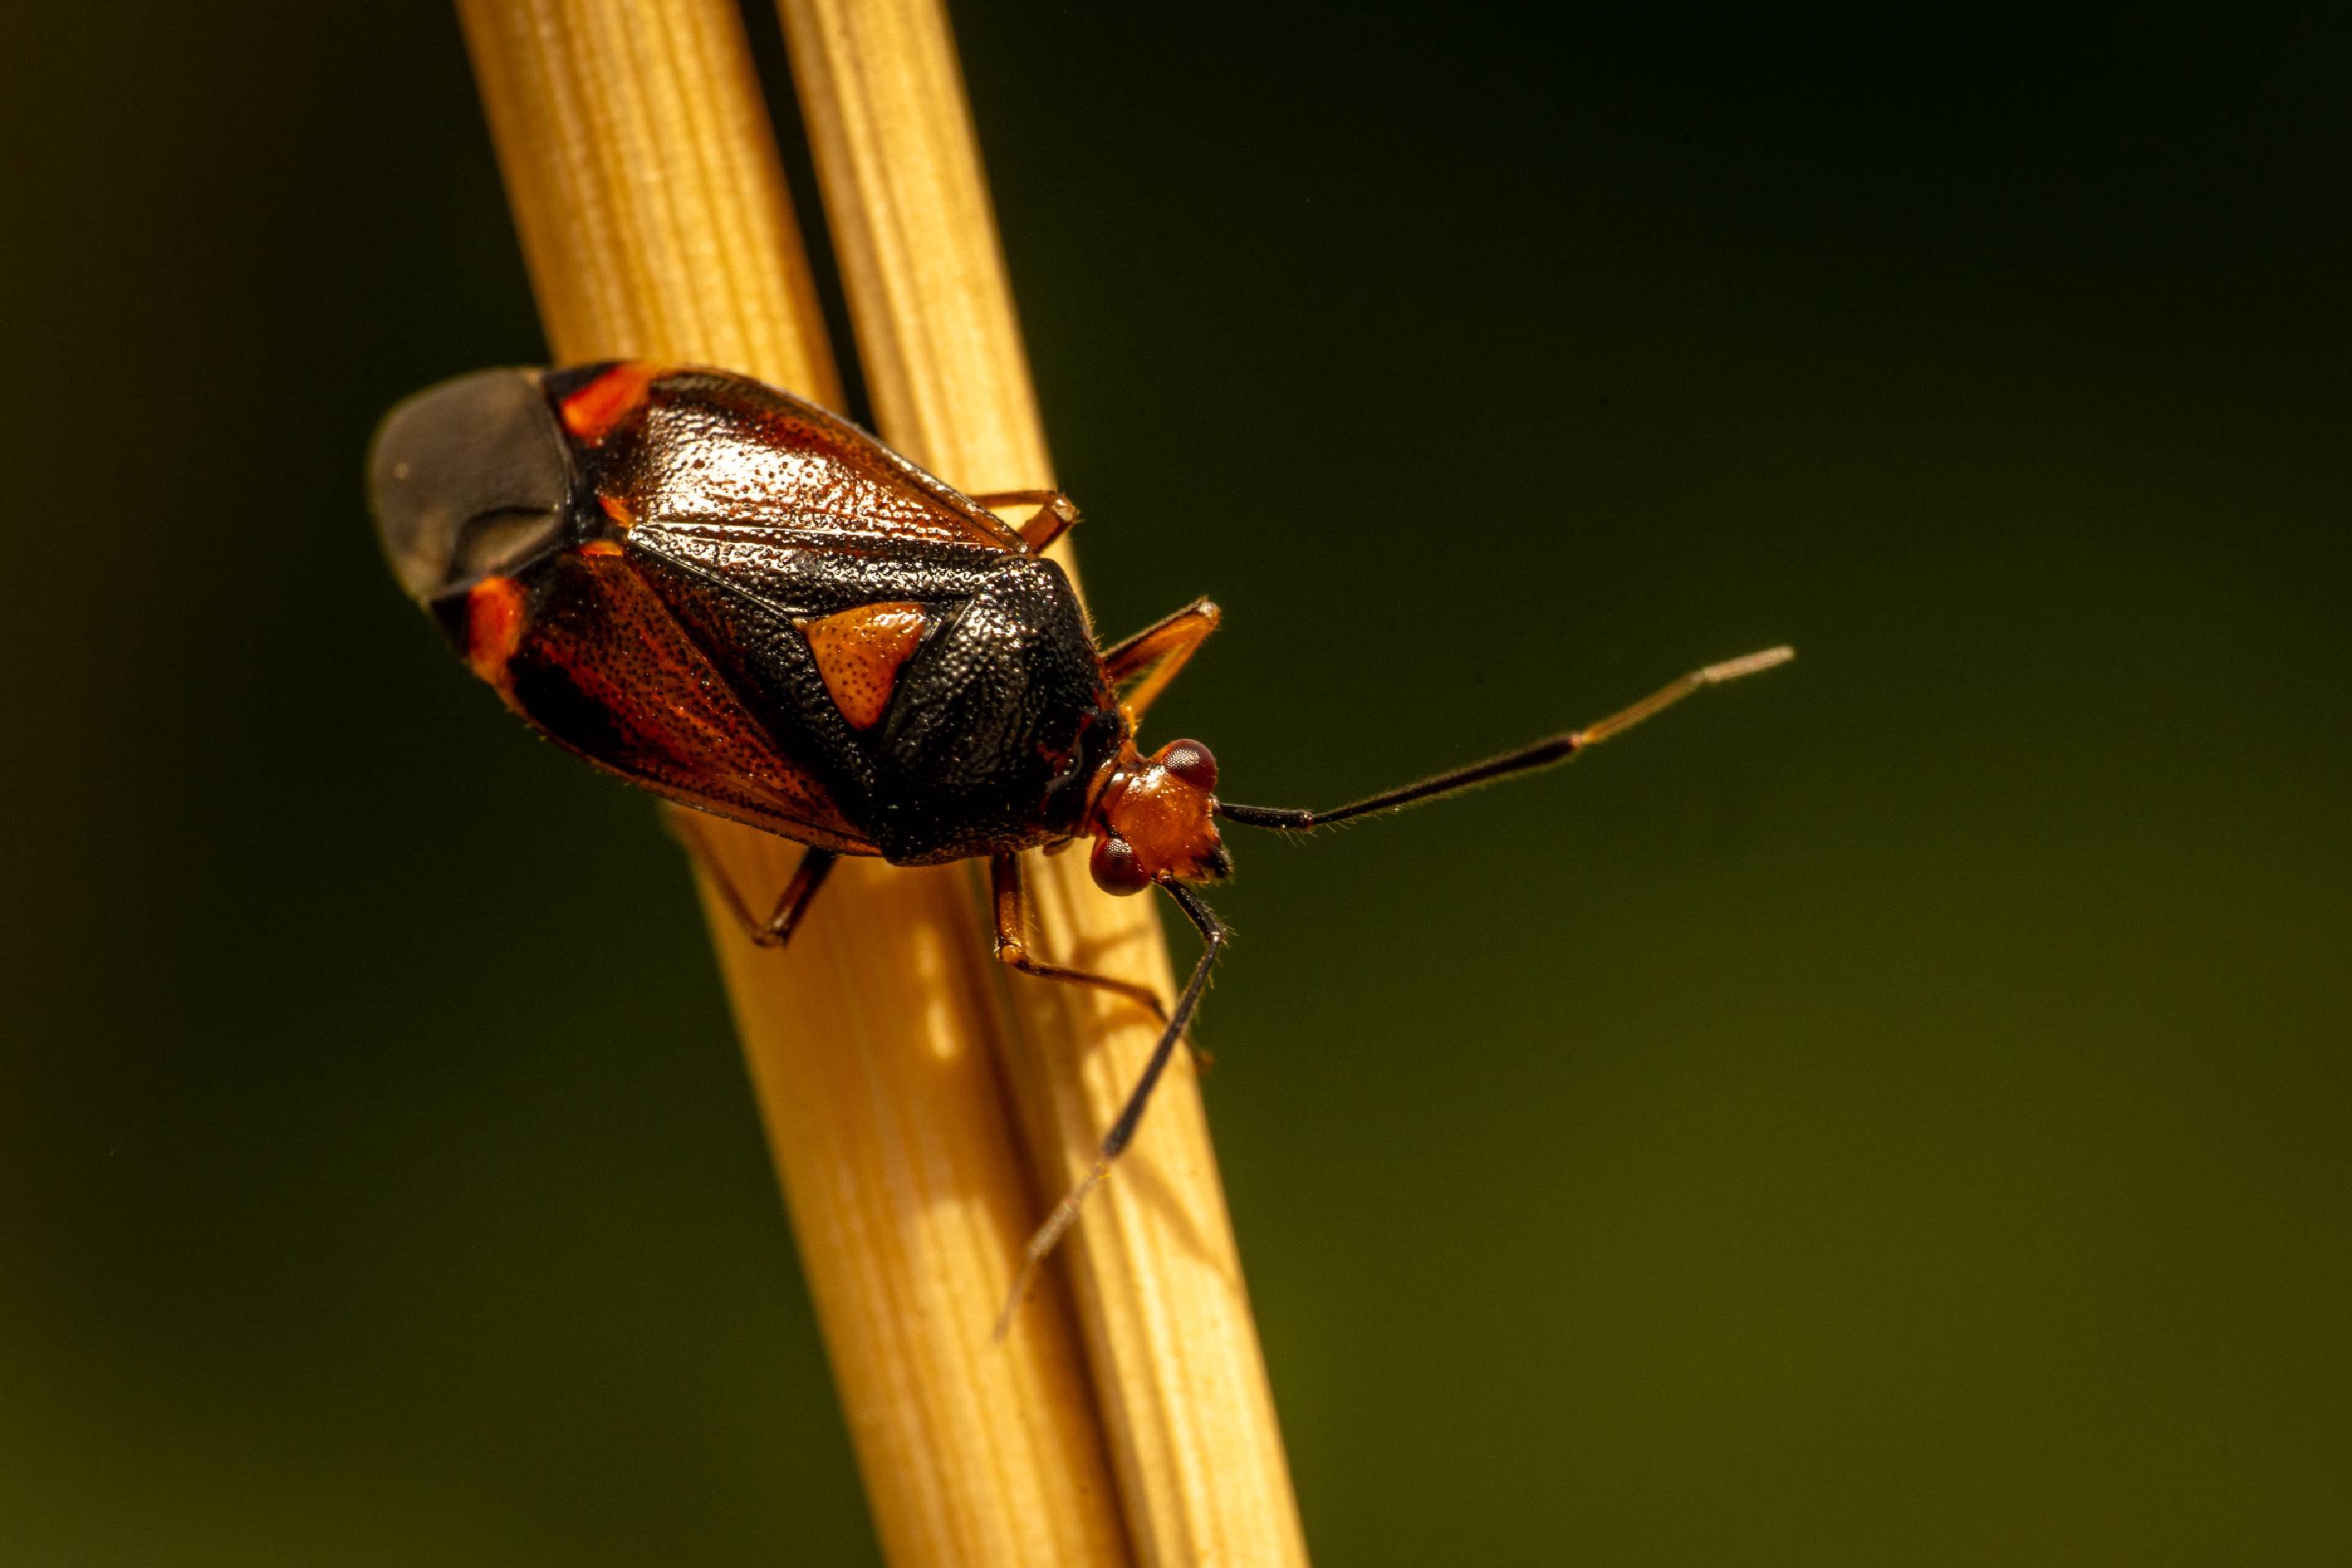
(752, 608)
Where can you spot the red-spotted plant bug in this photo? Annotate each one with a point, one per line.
(754, 609)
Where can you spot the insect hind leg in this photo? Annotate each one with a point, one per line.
(792, 903)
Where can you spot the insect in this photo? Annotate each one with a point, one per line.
(752, 608)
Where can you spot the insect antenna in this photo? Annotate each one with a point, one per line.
(1541, 755)
(1066, 1213)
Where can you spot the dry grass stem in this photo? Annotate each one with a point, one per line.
(645, 182)
(1173, 1347)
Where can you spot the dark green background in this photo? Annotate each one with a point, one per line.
(1894, 1112)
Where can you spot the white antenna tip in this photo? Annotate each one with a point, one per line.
(1746, 664)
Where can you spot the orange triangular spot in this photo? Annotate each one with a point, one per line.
(591, 412)
(859, 652)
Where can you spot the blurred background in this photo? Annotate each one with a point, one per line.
(1892, 1111)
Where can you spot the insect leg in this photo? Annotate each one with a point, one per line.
(1145, 663)
(1122, 1130)
(1008, 896)
(1055, 514)
(791, 904)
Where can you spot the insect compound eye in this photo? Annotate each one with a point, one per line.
(1115, 869)
(1191, 761)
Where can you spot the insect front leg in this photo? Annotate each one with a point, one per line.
(1130, 1116)
(1008, 896)
(1056, 514)
(1143, 665)
(777, 929)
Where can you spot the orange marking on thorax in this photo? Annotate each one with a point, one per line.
(601, 547)
(617, 510)
(494, 617)
(860, 652)
(590, 412)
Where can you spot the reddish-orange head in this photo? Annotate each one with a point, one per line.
(1153, 819)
